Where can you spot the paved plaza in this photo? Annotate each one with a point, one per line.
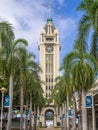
(50, 128)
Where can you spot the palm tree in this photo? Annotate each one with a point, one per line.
(15, 45)
(88, 27)
(83, 68)
(70, 89)
(61, 93)
(24, 64)
(37, 94)
(6, 35)
(14, 58)
(28, 77)
(89, 24)
(34, 88)
(9, 56)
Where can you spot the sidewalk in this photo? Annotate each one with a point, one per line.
(50, 128)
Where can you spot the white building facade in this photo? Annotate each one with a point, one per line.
(49, 52)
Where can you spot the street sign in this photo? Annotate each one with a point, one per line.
(26, 112)
(6, 100)
(70, 113)
(88, 101)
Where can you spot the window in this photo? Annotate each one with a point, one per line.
(46, 95)
(47, 79)
(49, 39)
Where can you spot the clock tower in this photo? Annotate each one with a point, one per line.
(49, 51)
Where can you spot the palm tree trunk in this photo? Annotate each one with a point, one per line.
(62, 109)
(67, 116)
(74, 112)
(11, 102)
(21, 107)
(63, 114)
(37, 117)
(84, 111)
(31, 116)
(34, 117)
(65, 121)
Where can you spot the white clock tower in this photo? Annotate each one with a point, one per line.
(49, 49)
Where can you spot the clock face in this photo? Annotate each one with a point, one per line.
(49, 48)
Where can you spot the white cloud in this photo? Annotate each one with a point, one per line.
(28, 17)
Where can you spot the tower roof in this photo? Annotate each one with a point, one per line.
(49, 24)
(49, 19)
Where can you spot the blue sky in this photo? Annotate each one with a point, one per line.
(28, 17)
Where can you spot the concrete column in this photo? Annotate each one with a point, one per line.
(57, 110)
(58, 38)
(93, 114)
(55, 121)
(60, 111)
(43, 120)
(56, 113)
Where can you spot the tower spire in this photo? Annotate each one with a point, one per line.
(50, 6)
(49, 9)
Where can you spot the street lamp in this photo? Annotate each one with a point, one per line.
(2, 91)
